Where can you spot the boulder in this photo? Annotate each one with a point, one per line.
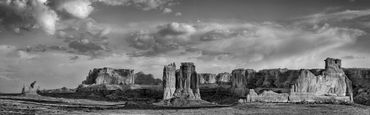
(110, 76)
(30, 90)
(169, 81)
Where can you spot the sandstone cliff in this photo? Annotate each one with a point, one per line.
(223, 78)
(207, 78)
(332, 80)
(360, 78)
(239, 81)
(110, 76)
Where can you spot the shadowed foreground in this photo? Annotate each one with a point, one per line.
(47, 105)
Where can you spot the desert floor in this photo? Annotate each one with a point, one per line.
(48, 105)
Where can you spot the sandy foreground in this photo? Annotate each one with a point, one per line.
(47, 105)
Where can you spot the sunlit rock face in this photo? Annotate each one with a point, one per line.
(207, 78)
(110, 76)
(267, 96)
(223, 78)
(30, 89)
(315, 85)
(239, 81)
(187, 82)
(331, 82)
(169, 81)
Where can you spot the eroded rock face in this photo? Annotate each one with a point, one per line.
(360, 78)
(207, 78)
(31, 89)
(331, 82)
(267, 96)
(223, 78)
(110, 76)
(239, 81)
(187, 82)
(169, 81)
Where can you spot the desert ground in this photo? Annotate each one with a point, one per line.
(51, 105)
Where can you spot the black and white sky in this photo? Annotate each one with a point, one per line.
(57, 42)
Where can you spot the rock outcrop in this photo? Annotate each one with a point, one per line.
(186, 85)
(239, 81)
(30, 90)
(360, 78)
(169, 81)
(110, 76)
(316, 85)
(223, 78)
(332, 81)
(267, 96)
(187, 82)
(207, 78)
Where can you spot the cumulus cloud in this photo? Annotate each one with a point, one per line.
(85, 37)
(20, 15)
(167, 10)
(332, 17)
(142, 4)
(168, 37)
(76, 8)
(178, 14)
(25, 15)
(247, 43)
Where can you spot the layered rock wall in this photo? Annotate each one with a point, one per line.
(360, 78)
(110, 76)
(267, 96)
(207, 78)
(332, 81)
(315, 85)
(223, 78)
(239, 81)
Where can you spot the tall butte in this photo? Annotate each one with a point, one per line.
(181, 83)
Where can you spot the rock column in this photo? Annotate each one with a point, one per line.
(187, 82)
(169, 81)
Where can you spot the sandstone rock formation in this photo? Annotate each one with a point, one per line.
(31, 89)
(110, 76)
(331, 82)
(207, 78)
(169, 81)
(267, 96)
(223, 78)
(187, 82)
(360, 78)
(315, 85)
(239, 81)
